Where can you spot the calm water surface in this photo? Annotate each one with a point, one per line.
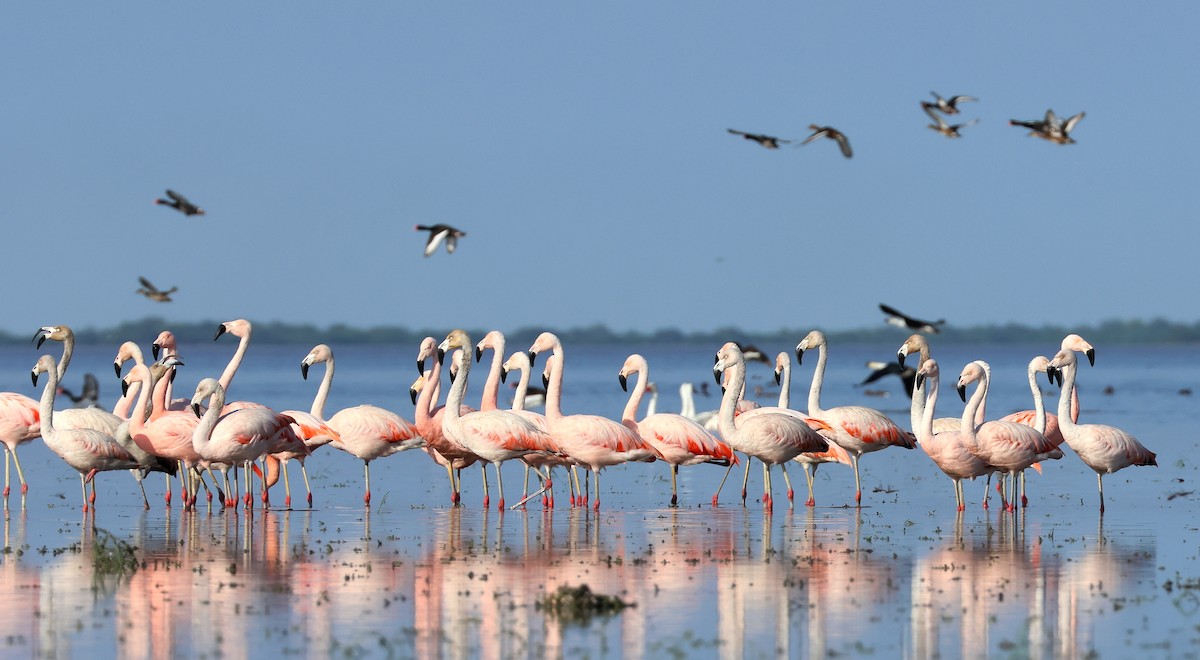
(412, 577)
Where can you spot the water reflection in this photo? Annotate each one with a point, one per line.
(454, 583)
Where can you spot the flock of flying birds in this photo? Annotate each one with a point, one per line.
(1050, 127)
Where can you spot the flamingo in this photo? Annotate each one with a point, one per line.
(552, 455)
(1007, 446)
(679, 440)
(165, 344)
(771, 436)
(859, 430)
(947, 448)
(309, 426)
(917, 343)
(75, 418)
(428, 420)
(240, 436)
(592, 441)
(809, 460)
(519, 361)
(88, 451)
(1071, 342)
(369, 432)
(169, 435)
(1105, 449)
(126, 352)
(493, 435)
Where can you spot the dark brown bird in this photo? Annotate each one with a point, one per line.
(439, 233)
(940, 125)
(768, 141)
(946, 106)
(180, 203)
(152, 292)
(831, 133)
(1050, 127)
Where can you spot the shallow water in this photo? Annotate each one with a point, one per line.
(411, 577)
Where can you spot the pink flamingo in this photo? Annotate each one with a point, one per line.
(857, 429)
(592, 441)
(309, 426)
(552, 454)
(75, 418)
(1105, 449)
(369, 432)
(1071, 342)
(768, 434)
(428, 418)
(169, 435)
(679, 440)
(241, 436)
(494, 435)
(947, 448)
(165, 344)
(809, 460)
(519, 361)
(88, 451)
(1007, 446)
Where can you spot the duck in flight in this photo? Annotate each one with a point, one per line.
(946, 106)
(901, 320)
(881, 369)
(438, 234)
(940, 125)
(179, 203)
(768, 141)
(153, 293)
(831, 133)
(1050, 127)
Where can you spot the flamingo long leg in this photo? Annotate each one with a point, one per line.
(287, 488)
(1099, 483)
(20, 474)
(857, 481)
(307, 488)
(791, 494)
(809, 474)
(674, 495)
(500, 485)
(367, 483)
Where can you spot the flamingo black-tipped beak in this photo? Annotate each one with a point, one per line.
(962, 393)
(1091, 356)
(34, 376)
(900, 358)
(220, 331)
(545, 381)
(154, 349)
(441, 357)
(124, 387)
(621, 377)
(1058, 377)
(304, 370)
(532, 357)
(196, 409)
(412, 393)
(504, 375)
(716, 374)
(778, 378)
(117, 368)
(453, 375)
(171, 378)
(919, 382)
(478, 354)
(799, 355)
(421, 367)
(41, 338)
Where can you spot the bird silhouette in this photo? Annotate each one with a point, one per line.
(940, 125)
(89, 397)
(1050, 127)
(768, 141)
(901, 320)
(831, 133)
(907, 375)
(153, 293)
(438, 234)
(179, 203)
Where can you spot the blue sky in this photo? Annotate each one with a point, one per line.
(582, 146)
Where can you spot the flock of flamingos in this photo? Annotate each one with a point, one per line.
(149, 430)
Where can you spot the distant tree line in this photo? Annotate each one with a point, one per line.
(1157, 331)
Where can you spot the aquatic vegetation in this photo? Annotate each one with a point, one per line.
(579, 604)
(112, 556)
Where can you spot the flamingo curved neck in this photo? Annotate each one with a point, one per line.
(518, 403)
(629, 415)
(427, 399)
(729, 401)
(231, 369)
(785, 386)
(203, 432)
(1039, 406)
(924, 429)
(458, 390)
(137, 420)
(554, 387)
(814, 392)
(977, 401)
(491, 386)
(1066, 421)
(318, 404)
(68, 351)
(46, 404)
